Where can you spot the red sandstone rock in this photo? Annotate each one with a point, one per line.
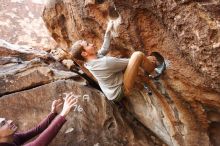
(94, 121)
(28, 84)
(21, 23)
(184, 32)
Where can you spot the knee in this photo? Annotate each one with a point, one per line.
(137, 55)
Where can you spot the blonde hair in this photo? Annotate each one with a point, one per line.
(76, 50)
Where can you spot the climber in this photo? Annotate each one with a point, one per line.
(47, 129)
(109, 70)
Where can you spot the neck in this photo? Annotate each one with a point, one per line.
(8, 139)
(90, 58)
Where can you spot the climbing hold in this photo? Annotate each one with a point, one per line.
(113, 14)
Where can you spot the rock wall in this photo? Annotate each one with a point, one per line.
(195, 28)
(184, 108)
(30, 80)
(21, 23)
(100, 122)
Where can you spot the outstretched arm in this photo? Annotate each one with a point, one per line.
(47, 136)
(22, 137)
(107, 39)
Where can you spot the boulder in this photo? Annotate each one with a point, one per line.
(21, 23)
(93, 121)
(23, 68)
(185, 105)
(28, 86)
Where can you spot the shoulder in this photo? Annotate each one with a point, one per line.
(95, 62)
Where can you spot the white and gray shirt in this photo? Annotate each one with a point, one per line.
(108, 70)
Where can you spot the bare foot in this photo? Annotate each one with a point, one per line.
(153, 60)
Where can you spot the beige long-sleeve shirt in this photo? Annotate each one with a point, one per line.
(108, 70)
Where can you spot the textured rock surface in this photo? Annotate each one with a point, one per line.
(24, 53)
(99, 123)
(29, 84)
(196, 28)
(24, 68)
(21, 23)
(184, 109)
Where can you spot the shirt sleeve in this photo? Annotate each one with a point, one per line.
(47, 136)
(105, 46)
(22, 137)
(117, 64)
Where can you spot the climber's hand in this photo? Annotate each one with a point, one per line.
(56, 105)
(110, 26)
(69, 102)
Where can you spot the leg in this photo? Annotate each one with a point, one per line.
(137, 60)
(132, 70)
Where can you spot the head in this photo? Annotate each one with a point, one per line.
(7, 128)
(83, 50)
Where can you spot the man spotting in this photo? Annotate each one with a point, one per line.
(115, 76)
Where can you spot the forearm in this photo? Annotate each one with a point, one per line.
(105, 46)
(25, 136)
(47, 136)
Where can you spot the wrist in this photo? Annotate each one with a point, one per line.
(107, 34)
(63, 113)
(54, 112)
(108, 31)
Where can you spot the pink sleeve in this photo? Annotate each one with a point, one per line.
(22, 137)
(47, 136)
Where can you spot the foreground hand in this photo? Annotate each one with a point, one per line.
(69, 102)
(55, 105)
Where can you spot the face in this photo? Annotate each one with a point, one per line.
(90, 49)
(7, 128)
